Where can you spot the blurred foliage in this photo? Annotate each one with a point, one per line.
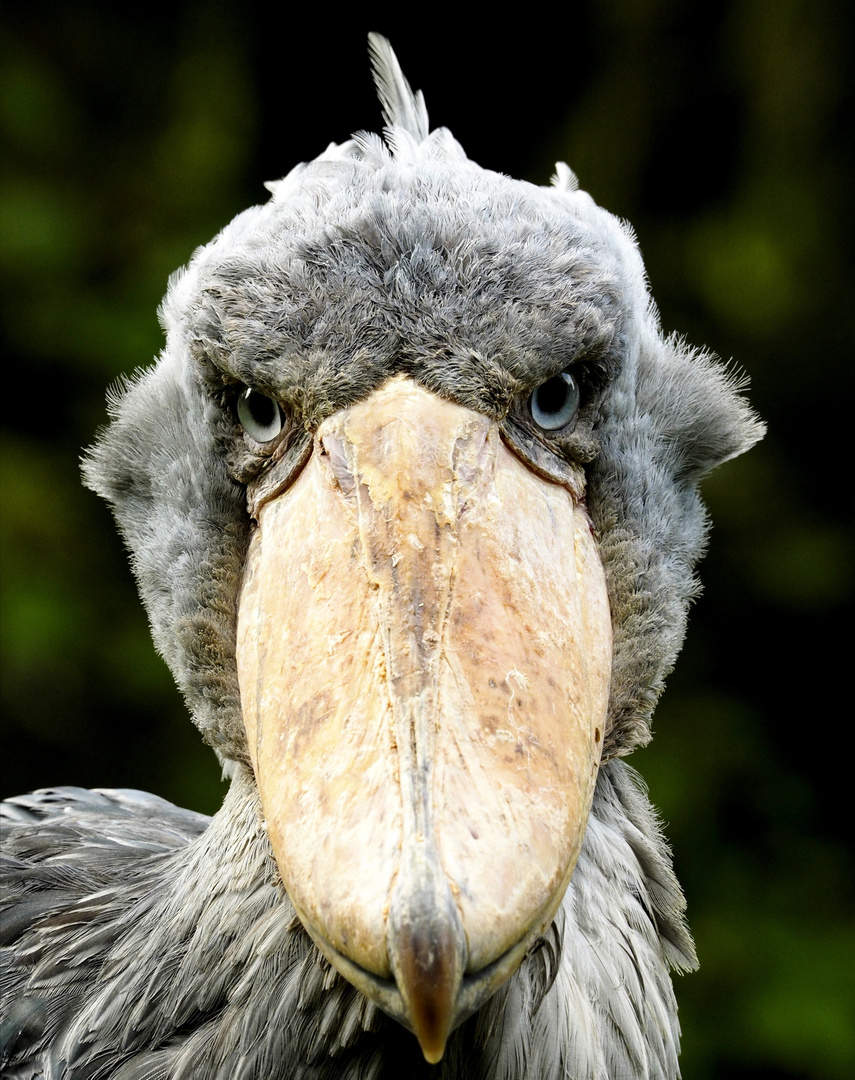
(723, 132)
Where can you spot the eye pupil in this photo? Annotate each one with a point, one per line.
(554, 404)
(259, 415)
(262, 408)
(551, 397)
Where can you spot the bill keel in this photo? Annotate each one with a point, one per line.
(424, 653)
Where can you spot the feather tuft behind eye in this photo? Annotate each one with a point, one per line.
(260, 415)
(554, 404)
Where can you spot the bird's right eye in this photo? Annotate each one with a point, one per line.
(260, 415)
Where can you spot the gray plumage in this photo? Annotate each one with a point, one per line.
(140, 940)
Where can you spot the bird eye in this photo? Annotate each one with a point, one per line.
(260, 415)
(554, 404)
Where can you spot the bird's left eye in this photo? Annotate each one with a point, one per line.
(554, 404)
(260, 415)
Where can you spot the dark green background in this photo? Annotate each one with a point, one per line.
(724, 133)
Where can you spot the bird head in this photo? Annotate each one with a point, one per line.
(411, 497)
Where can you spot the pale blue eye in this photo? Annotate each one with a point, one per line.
(554, 404)
(260, 415)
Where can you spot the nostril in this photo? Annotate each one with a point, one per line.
(332, 451)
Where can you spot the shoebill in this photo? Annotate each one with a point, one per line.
(411, 496)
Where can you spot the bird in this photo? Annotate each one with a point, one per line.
(412, 500)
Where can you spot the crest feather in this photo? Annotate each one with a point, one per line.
(401, 107)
